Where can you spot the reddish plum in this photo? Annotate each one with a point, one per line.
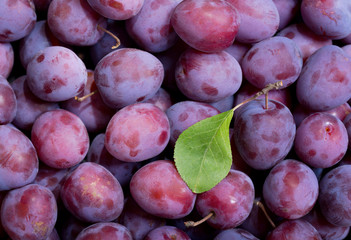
(321, 140)
(206, 25)
(18, 159)
(230, 201)
(56, 74)
(207, 77)
(307, 41)
(117, 9)
(128, 75)
(60, 138)
(18, 18)
(294, 230)
(105, 231)
(137, 132)
(290, 189)
(92, 194)
(94, 113)
(334, 200)
(167, 232)
(123, 171)
(74, 22)
(8, 102)
(183, 114)
(272, 60)
(7, 59)
(259, 19)
(29, 212)
(29, 106)
(139, 222)
(264, 135)
(158, 189)
(151, 28)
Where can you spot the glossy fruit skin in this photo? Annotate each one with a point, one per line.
(151, 28)
(75, 22)
(231, 201)
(167, 232)
(207, 77)
(127, 76)
(56, 74)
(92, 194)
(137, 132)
(256, 133)
(294, 230)
(29, 212)
(290, 189)
(206, 25)
(321, 140)
(8, 102)
(15, 26)
(14, 148)
(60, 138)
(324, 80)
(272, 60)
(105, 231)
(334, 191)
(117, 9)
(158, 188)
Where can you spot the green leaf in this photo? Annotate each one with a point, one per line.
(202, 152)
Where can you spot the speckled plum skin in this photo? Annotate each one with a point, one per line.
(8, 102)
(272, 60)
(158, 188)
(105, 231)
(329, 18)
(264, 136)
(75, 22)
(18, 159)
(7, 58)
(126, 76)
(51, 178)
(117, 9)
(321, 140)
(29, 106)
(15, 26)
(290, 189)
(183, 114)
(151, 28)
(294, 230)
(56, 74)
(137, 132)
(138, 221)
(94, 113)
(324, 82)
(235, 233)
(60, 138)
(92, 194)
(206, 25)
(326, 229)
(231, 201)
(259, 19)
(123, 171)
(207, 77)
(307, 41)
(167, 232)
(29, 212)
(334, 197)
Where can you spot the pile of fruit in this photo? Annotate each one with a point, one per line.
(95, 97)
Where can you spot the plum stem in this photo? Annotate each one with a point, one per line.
(261, 206)
(265, 91)
(118, 42)
(194, 224)
(81, 99)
